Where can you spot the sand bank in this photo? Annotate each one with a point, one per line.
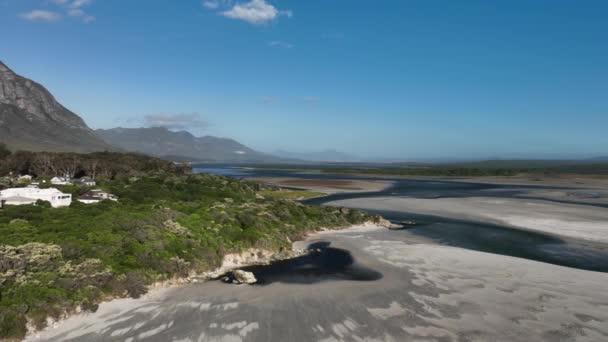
(327, 186)
(577, 221)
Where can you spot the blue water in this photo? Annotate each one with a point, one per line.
(487, 238)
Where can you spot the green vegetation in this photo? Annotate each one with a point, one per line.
(435, 171)
(165, 225)
(291, 194)
(479, 170)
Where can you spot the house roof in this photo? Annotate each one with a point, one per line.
(89, 198)
(23, 192)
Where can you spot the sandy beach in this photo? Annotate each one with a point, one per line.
(426, 293)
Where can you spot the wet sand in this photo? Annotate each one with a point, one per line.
(426, 293)
(591, 189)
(577, 221)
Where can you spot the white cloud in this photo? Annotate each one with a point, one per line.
(72, 8)
(78, 13)
(216, 4)
(211, 4)
(41, 15)
(255, 12)
(80, 3)
(175, 121)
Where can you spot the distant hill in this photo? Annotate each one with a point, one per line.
(31, 119)
(162, 142)
(321, 156)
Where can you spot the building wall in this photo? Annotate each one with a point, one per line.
(54, 196)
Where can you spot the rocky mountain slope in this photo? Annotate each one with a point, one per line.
(162, 142)
(31, 119)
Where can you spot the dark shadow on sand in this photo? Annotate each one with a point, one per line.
(322, 263)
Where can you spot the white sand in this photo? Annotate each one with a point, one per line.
(497, 295)
(578, 221)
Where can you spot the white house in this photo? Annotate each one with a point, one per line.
(96, 196)
(61, 181)
(22, 196)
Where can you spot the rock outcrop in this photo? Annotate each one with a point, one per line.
(242, 277)
(31, 119)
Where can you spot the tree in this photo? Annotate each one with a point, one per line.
(4, 151)
(69, 165)
(91, 167)
(44, 164)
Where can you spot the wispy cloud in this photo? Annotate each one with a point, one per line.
(41, 15)
(281, 44)
(256, 12)
(175, 121)
(78, 13)
(72, 8)
(211, 4)
(75, 9)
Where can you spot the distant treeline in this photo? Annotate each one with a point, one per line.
(426, 171)
(482, 169)
(104, 165)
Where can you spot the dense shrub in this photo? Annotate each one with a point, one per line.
(164, 225)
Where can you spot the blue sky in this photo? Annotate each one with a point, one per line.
(396, 78)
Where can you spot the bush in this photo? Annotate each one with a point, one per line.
(163, 226)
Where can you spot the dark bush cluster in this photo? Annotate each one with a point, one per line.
(104, 165)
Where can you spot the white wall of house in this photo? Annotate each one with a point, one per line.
(17, 200)
(54, 196)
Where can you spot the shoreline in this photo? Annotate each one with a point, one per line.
(230, 262)
(427, 291)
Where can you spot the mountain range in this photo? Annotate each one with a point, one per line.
(31, 119)
(182, 145)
